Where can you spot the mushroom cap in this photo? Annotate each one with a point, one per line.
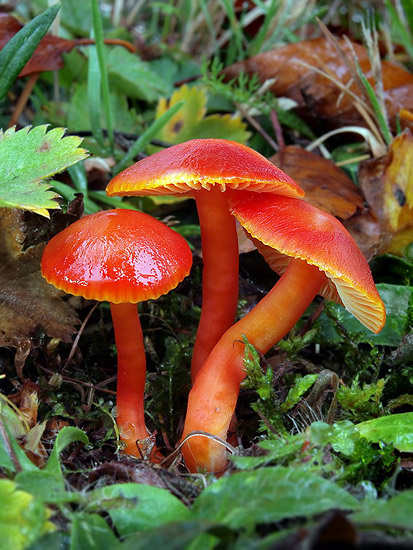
(122, 256)
(202, 164)
(284, 228)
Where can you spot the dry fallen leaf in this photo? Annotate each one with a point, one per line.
(48, 54)
(326, 186)
(27, 302)
(318, 97)
(387, 184)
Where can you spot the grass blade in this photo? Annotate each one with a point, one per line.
(147, 136)
(17, 52)
(94, 96)
(98, 33)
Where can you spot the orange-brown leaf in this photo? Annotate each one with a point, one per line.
(387, 184)
(325, 184)
(317, 96)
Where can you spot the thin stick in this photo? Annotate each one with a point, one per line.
(78, 335)
(257, 126)
(23, 99)
(200, 433)
(80, 382)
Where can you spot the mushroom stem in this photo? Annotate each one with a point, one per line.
(213, 397)
(131, 376)
(220, 273)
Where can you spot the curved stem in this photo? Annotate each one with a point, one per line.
(220, 273)
(213, 397)
(131, 376)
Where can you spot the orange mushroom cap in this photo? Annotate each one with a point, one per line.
(202, 164)
(285, 228)
(122, 256)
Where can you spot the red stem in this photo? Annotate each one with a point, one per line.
(213, 397)
(220, 273)
(131, 376)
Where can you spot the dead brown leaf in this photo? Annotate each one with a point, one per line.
(48, 54)
(387, 184)
(27, 302)
(318, 97)
(326, 186)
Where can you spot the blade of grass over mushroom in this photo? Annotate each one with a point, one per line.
(147, 136)
(30, 156)
(94, 95)
(16, 53)
(100, 49)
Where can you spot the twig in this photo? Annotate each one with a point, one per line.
(257, 126)
(69, 379)
(279, 135)
(200, 433)
(23, 99)
(78, 335)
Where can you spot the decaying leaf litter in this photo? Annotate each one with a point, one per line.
(328, 410)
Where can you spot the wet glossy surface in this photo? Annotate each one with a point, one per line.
(203, 163)
(117, 255)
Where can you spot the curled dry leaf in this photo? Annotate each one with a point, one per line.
(318, 97)
(27, 302)
(387, 183)
(326, 186)
(48, 54)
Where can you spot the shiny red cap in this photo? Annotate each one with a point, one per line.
(122, 256)
(202, 164)
(285, 228)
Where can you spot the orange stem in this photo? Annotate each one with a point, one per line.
(220, 273)
(131, 376)
(213, 397)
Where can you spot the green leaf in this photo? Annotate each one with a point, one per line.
(133, 77)
(91, 532)
(174, 536)
(190, 122)
(396, 298)
(22, 518)
(268, 495)
(45, 486)
(77, 17)
(147, 136)
(67, 435)
(30, 156)
(137, 507)
(395, 512)
(298, 390)
(78, 115)
(19, 49)
(396, 429)
(49, 484)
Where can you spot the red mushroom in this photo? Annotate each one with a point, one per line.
(124, 257)
(204, 169)
(316, 254)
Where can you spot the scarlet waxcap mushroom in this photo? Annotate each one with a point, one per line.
(321, 253)
(124, 257)
(204, 169)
